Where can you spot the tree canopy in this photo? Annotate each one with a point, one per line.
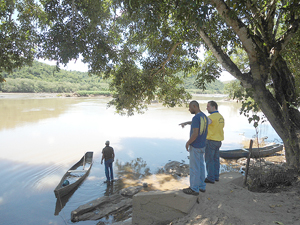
(142, 44)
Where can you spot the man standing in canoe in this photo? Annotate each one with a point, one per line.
(215, 136)
(196, 147)
(108, 155)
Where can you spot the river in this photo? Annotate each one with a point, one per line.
(42, 136)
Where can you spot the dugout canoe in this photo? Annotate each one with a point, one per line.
(266, 151)
(75, 175)
(256, 152)
(234, 153)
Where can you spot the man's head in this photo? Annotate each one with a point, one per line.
(107, 143)
(194, 107)
(212, 106)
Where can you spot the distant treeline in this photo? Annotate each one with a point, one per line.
(41, 77)
(216, 87)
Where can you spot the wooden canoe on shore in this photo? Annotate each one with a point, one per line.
(234, 153)
(256, 152)
(266, 151)
(75, 175)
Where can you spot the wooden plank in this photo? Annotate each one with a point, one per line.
(248, 161)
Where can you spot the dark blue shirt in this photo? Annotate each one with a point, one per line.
(199, 121)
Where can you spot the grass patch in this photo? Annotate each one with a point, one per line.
(87, 93)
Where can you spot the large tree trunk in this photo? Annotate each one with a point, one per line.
(267, 68)
(292, 148)
(278, 107)
(284, 86)
(285, 128)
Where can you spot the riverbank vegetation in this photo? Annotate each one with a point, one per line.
(41, 77)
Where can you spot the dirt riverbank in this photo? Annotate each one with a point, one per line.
(231, 203)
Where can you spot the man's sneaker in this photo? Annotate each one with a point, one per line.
(208, 181)
(189, 191)
(202, 190)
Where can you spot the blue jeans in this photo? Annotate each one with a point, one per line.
(212, 159)
(108, 168)
(197, 169)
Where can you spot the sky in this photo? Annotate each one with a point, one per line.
(225, 76)
(80, 66)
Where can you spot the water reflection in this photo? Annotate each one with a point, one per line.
(62, 201)
(133, 170)
(16, 112)
(136, 172)
(109, 189)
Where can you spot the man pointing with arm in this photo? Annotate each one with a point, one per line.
(196, 147)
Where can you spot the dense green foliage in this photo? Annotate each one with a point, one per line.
(292, 56)
(20, 25)
(41, 77)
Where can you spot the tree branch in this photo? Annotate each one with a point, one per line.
(163, 64)
(225, 60)
(283, 41)
(251, 6)
(238, 27)
(270, 19)
(277, 24)
(271, 11)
